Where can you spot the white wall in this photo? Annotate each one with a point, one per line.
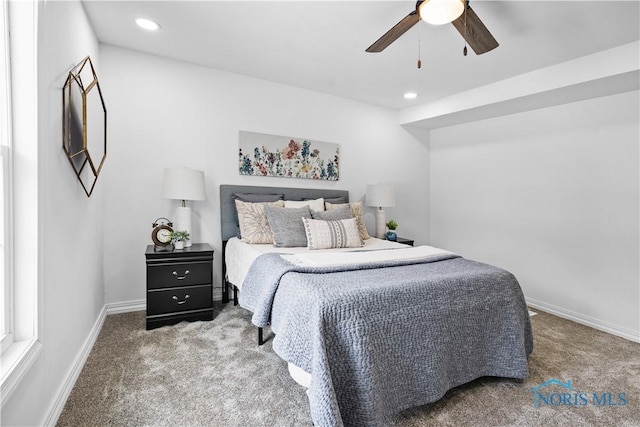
(551, 195)
(70, 233)
(165, 113)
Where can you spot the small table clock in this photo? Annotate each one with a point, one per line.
(161, 233)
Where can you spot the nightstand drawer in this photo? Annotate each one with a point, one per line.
(179, 274)
(179, 299)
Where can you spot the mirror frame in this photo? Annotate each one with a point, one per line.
(78, 153)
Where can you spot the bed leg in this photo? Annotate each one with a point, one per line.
(260, 340)
(225, 291)
(235, 295)
(225, 282)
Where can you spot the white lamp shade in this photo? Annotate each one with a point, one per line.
(439, 12)
(381, 195)
(183, 184)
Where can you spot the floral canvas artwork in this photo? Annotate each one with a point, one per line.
(282, 156)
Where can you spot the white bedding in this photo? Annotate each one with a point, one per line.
(240, 255)
(364, 258)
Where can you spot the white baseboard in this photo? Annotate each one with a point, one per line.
(126, 307)
(74, 372)
(601, 325)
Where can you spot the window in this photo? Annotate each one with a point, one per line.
(6, 302)
(19, 187)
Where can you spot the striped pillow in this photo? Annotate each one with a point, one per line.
(356, 212)
(332, 234)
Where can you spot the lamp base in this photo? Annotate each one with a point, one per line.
(381, 220)
(183, 222)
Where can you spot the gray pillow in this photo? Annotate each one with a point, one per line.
(287, 226)
(257, 198)
(334, 200)
(333, 215)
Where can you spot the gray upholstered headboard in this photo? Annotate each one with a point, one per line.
(229, 216)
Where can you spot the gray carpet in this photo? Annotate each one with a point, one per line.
(214, 374)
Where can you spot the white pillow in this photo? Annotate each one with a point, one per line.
(342, 233)
(314, 205)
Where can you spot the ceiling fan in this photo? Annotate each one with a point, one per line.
(458, 12)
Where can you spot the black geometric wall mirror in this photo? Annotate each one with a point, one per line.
(84, 124)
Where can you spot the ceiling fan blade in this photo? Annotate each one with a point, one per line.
(392, 35)
(477, 35)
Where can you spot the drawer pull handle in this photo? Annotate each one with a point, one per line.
(186, 297)
(175, 273)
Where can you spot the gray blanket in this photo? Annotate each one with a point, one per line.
(379, 341)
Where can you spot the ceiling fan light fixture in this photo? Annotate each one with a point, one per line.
(440, 12)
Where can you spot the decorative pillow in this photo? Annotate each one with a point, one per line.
(333, 215)
(356, 211)
(252, 218)
(332, 234)
(254, 198)
(286, 225)
(315, 204)
(257, 198)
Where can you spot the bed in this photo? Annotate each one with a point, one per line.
(381, 328)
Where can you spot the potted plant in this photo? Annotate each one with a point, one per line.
(391, 227)
(178, 238)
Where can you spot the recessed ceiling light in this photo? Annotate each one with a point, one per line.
(410, 95)
(147, 24)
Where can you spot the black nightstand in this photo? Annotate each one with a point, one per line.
(405, 241)
(179, 285)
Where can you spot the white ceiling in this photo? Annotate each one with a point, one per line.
(320, 45)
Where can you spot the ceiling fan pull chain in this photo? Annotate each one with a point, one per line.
(466, 5)
(419, 48)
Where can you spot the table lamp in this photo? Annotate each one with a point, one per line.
(380, 196)
(183, 184)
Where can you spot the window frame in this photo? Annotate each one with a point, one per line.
(6, 217)
(6, 269)
(19, 50)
